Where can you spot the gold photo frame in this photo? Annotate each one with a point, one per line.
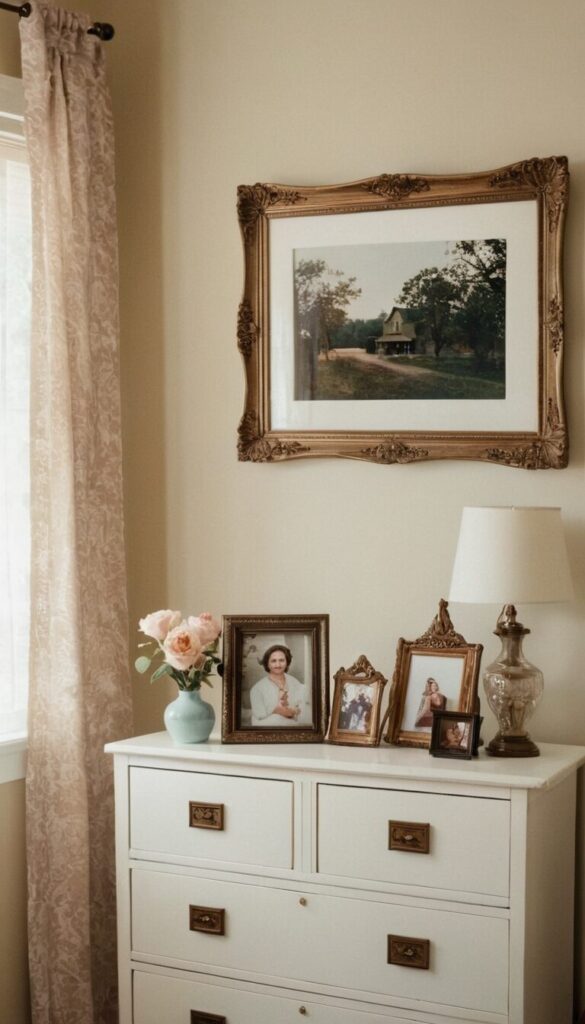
(357, 702)
(312, 264)
(436, 673)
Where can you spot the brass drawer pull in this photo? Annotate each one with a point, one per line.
(303, 1011)
(207, 919)
(404, 951)
(198, 1017)
(412, 836)
(303, 901)
(203, 815)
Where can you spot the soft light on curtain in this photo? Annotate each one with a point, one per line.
(79, 681)
(14, 433)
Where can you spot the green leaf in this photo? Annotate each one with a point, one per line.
(208, 683)
(142, 664)
(162, 670)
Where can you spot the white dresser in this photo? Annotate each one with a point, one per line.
(262, 884)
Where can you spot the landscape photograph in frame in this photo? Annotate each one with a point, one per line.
(400, 321)
(406, 317)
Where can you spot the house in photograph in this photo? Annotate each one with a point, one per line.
(398, 336)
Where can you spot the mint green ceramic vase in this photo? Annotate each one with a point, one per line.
(188, 718)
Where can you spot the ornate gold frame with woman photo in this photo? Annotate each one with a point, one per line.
(434, 674)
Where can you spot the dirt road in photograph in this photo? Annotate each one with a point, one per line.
(357, 355)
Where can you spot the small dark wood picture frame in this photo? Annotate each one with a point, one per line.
(256, 709)
(455, 734)
(357, 701)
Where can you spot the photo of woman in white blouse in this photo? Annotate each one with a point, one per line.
(279, 699)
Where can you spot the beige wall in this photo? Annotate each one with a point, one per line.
(209, 94)
(14, 997)
(9, 53)
(314, 92)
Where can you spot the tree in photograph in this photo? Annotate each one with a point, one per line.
(464, 303)
(435, 295)
(320, 308)
(477, 324)
(482, 262)
(359, 333)
(479, 267)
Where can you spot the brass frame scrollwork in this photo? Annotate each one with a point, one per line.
(362, 673)
(440, 640)
(543, 180)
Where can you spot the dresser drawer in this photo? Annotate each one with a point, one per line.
(223, 818)
(427, 840)
(159, 999)
(276, 934)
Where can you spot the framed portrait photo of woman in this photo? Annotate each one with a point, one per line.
(455, 734)
(275, 682)
(434, 674)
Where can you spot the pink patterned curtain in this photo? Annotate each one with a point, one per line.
(79, 679)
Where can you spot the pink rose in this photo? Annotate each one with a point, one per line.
(207, 627)
(182, 646)
(157, 624)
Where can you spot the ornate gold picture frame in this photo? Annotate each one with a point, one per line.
(406, 317)
(357, 702)
(436, 673)
(275, 678)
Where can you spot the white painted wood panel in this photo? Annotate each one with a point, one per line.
(330, 941)
(500, 951)
(170, 1000)
(258, 817)
(469, 839)
(386, 763)
(550, 874)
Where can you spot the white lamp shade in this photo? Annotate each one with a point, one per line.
(511, 556)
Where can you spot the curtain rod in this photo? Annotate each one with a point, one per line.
(102, 29)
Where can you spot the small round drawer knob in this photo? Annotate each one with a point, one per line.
(303, 1011)
(303, 903)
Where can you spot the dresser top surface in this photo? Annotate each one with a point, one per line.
(555, 763)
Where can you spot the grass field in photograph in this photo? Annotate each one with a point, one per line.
(349, 379)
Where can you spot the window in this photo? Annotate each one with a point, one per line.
(15, 298)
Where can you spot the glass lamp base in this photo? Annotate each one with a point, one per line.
(512, 746)
(513, 688)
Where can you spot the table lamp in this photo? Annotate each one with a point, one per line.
(510, 556)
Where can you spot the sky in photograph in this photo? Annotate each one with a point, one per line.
(380, 269)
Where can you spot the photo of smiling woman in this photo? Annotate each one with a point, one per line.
(276, 678)
(279, 699)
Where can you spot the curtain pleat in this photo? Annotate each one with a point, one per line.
(79, 680)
